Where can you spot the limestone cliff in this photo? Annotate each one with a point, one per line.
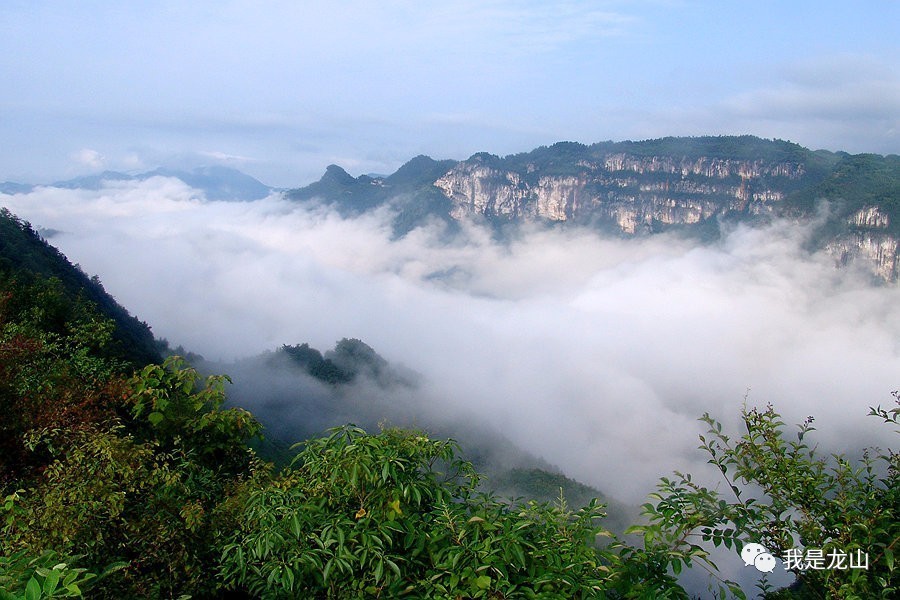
(638, 188)
(637, 193)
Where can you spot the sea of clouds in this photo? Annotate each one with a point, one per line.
(595, 353)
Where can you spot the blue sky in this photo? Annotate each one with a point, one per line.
(281, 89)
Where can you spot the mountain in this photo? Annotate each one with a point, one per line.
(410, 192)
(11, 187)
(640, 188)
(216, 183)
(93, 182)
(28, 262)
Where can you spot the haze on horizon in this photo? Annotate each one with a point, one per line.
(281, 89)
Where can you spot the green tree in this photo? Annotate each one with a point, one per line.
(784, 494)
(154, 494)
(396, 515)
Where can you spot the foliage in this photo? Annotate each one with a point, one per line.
(151, 495)
(27, 260)
(786, 495)
(396, 515)
(53, 374)
(856, 182)
(312, 361)
(349, 360)
(45, 576)
(184, 414)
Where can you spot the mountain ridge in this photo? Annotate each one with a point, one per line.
(646, 187)
(216, 182)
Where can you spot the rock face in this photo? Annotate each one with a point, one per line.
(878, 250)
(870, 217)
(638, 188)
(635, 192)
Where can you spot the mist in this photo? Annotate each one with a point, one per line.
(597, 354)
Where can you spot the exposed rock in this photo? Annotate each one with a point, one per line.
(878, 250)
(870, 217)
(690, 191)
(643, 187)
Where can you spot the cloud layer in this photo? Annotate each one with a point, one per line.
(597, 354)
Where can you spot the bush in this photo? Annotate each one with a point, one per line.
(789, 498)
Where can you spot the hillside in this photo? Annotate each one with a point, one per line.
(688, 185)
(26, 260)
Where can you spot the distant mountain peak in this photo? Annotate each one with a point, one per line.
(220, 183)
(336, 174)
(217, 182)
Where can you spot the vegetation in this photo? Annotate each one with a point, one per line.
(856, 182)
(409, 191)
(122, 480)
(312, 362)
(26, 260)
(789, 498)
(394, 515)
(349, 359)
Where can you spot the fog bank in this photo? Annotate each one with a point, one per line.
(597, 354)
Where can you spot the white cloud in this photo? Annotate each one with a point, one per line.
(843, 102)
(87, 157)
(226, 157)
(598, 354)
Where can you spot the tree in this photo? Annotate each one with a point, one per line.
(788, 497)
(396, 515)
(154, 493)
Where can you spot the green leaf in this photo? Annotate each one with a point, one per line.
(393, 566)
(520, 556)
(32, 589)
(155, 418)
(51, 582)
(379, 570)
(483, 582)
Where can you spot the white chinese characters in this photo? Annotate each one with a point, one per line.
(803, 559)
(797, 559)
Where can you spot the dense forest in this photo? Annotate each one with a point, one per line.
(123, 475)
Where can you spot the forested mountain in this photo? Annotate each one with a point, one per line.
(640, 188)
(28, 262)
